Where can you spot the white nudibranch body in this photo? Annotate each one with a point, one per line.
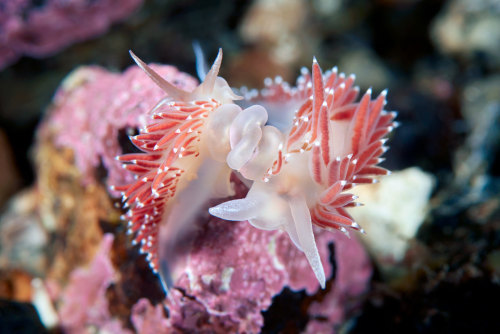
(298, 162)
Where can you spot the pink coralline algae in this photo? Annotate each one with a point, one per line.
(41, 30)
(352, 275)
(221, 289)
(149, 319)
(297, 148)
(225, 289)
(84, 302)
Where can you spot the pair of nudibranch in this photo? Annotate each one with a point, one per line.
(297, 148)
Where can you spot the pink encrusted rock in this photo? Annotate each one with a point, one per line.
(232, 273)
(84, 301)
(93, 104)
(232, 270)
(38, 31)
(352, 276)
(300, 275)
(148, 319)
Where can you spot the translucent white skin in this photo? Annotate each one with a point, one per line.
(184, 210)
(278, 204)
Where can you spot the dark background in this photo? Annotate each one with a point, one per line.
(440, 61)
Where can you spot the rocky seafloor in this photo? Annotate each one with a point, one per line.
(430, 261)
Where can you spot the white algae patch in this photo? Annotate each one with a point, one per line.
(226, 275)
(394, 210)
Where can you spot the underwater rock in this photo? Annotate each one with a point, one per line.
(467, 28)
(68, 211)
(234, 270)
(279, 27)
(394, 211)
(22, 236)
(148, 319)
(352, 277)
(84, 298)
(481, 111)
(475, 183)
(84, 302)
(39, 30)
(371, 70)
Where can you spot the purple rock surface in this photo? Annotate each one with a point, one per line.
(149, 319)
(234, 270)
(41, 30)
(84, 300)
(352, 276)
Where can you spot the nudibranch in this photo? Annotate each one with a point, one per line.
(297, 148)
